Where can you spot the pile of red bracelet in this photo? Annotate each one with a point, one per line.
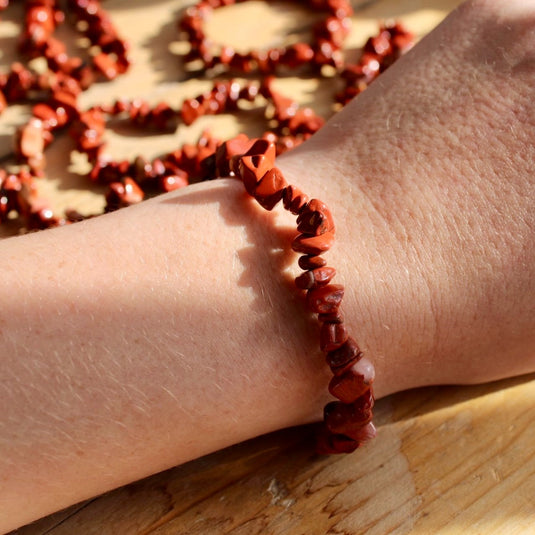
(54, 97)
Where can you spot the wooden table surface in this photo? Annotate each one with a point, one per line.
(447, 460)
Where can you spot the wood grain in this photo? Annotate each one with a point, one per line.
(446, 461)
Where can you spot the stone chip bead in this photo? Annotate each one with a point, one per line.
(315, 219)
(348, 418)
(123, 194)
(325, 299)
(263, 147)
(315, 277)
(270, 189)
(311, 262)
(313, 245)
(344, 357)
(255, 163)
(30, 139)
(333, 336)
(349, 386)
(252, 170)
(294, 200)
(234, 147)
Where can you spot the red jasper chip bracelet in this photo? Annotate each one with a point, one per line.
(37, 40)
(329, 36)
(347, 423)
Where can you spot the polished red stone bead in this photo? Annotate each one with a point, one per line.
(263, 147)
(354, 382)
(252, 170)
(294, 200)
(105, 65)
(333, 29)
(173, 182)
(241, 62)
(315, 277)
(340, 8)
(158, 168)
(326, 53)
(313, 245)
(29, 139)
(122, 194)
(305, 121)
(344, 357)
(47, 115)
(164, 117)
(364, 434)
(10, 188)
(226, 54)
(332, 336)
(379, 45)
(297, 54)
(191, 110)
(315, 219)
(325, 299)
(285, 108)
(227, 150)
(349, 418)
(66, 100)
(311, 262)
(41, 217)
(249, 92)
(270, 189)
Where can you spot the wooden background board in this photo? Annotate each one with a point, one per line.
(446, 460)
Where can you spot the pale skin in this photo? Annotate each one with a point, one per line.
(140, 340)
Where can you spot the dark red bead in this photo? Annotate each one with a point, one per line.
(315, 277)
(294, 200)
(236, 146)
(263, 147)
(173, 182)
(313, 245)
(122, 194)
(325, 299)
(105, 65)
(344, 357)
(315, 218)
(354, 382)
(311, 262)
(332, 336)
(270, 189)
(349, 418)
(252, 170)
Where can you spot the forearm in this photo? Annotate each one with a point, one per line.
(140, 340)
